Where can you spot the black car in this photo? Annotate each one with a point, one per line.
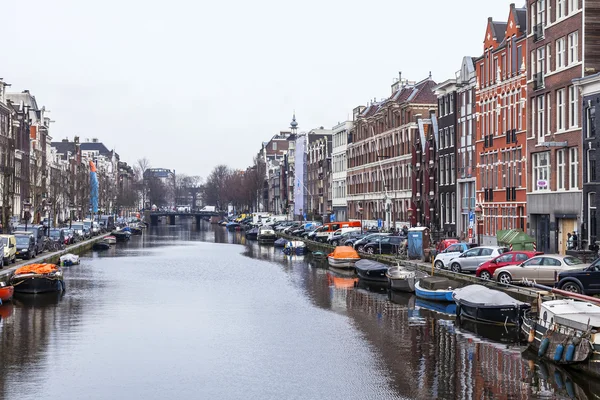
(384, 245)
(586, 281)
(25, 247)
(351, 240)
(359, 245)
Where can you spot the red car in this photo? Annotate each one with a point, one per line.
(486, 270)
(443, 244)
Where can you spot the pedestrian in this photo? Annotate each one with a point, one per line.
(405, 230)
(575, 239)
(569, 241)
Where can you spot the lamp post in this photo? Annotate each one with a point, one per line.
(411, 212)
(479, 216)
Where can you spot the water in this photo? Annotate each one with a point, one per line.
(186, 314)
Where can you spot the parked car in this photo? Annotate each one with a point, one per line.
(543, 269)
(79, 231)
(470, 259)
(25, 246)
(10, 248)
(444, 244)
(442, 260)
(343, 234)
(486, 270)
(69, 236)
(585, 281)
(351, 240)
(384, 245)
(57, 235)
(359, 245)
(38, 232)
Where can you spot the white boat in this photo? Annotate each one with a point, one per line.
(110, 239)
(266, 234)
(343, 257)
(69, 259)
(403, 279)
(566, 332)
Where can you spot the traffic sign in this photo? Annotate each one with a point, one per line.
(471, 219)
(379, 223)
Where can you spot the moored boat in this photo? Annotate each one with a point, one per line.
(121, 236)
(281, 242)
(296, 247)
(101, 245)
(233, 226)
(371, 270)
(69, 259)
(343, 257)
(480, 303)
(266, 234)
(434, 288)
(110, 239)
(252, 234)
(38, 278)
(566, 332)
(403, 279)
(6, 292)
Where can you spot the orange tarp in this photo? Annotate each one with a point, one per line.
(36, 269)
(344, 252)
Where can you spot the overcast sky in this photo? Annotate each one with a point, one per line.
(190, 84)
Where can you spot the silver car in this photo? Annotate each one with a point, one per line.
(470, 259)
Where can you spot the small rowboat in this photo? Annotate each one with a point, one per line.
(6, 292)
(434, 288)
(110, 239)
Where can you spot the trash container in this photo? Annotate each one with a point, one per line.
(515, 239)
(418, 240)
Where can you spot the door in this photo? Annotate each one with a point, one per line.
(527, 270)
(504, 260)
(592, 279)
(484, 255)
(565, 226)
(546, 272)
(469, 259)
(543, 233)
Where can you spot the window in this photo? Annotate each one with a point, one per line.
(548, 58)
(541, 10)
(486, 252)
(591, 165)
(573, 167)
(274, 145)
(540, 67)
(560, 53)
(560, 170)
(521, 257)
(541, 170)
(573, 6)
(592, 216)
(560, 9)
(590, 131)
(573, 107)
(573, 54)
(540, 116)
(560, 110)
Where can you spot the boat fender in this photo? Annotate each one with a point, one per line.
(558, 379)
(570, 352)
(559, 352)
(543, 347)
(531, 337)
(570, 388)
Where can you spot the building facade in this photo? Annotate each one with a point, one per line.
(446, 177)
(466, 79)
(562, 48)
(501, 126)
(380, 155)
(339, 165)
(318, 168)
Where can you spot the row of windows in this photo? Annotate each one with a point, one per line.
(505, 64)
(339, 190)
(448, 208)
(567, 170)
(501, 113)
(447, 170)
(501, 170)
(567, 54)
(566, 107)
(541, 11)
(446, 104)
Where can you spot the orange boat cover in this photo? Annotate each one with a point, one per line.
(36, 269)
(344, 252)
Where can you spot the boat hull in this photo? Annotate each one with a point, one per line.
(435, 295)
(402, 280)
(6, 293)
(267, 238)
(37, 284)
(101, 246)
(374, 275)
(341, 262)
(500, 314)
(589, 366)
(251, 236)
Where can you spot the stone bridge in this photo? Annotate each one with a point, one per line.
(153, 216)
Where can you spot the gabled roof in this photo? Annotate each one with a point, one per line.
(64, 147)
(521, 18)
(95, 146)
(498, 30)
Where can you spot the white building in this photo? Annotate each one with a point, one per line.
(339, 170)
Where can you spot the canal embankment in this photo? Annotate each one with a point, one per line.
(51, 257)
(521, 293)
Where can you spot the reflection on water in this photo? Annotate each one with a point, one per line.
(183, 312)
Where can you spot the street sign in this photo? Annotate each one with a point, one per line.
(470, 233)
(332, 218)
(379, 223)
(305, 216)
(471, 219)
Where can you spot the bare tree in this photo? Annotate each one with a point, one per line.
(142, 165)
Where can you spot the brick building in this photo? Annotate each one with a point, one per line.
(446, 188)
(501, 126)
(380, 154)
(563, 46)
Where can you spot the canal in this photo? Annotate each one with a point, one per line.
(186, 313)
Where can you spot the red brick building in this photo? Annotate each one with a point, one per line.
(501, 126)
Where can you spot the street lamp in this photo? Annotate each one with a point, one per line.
(479, 216)
(26, 210)
(411, 212)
